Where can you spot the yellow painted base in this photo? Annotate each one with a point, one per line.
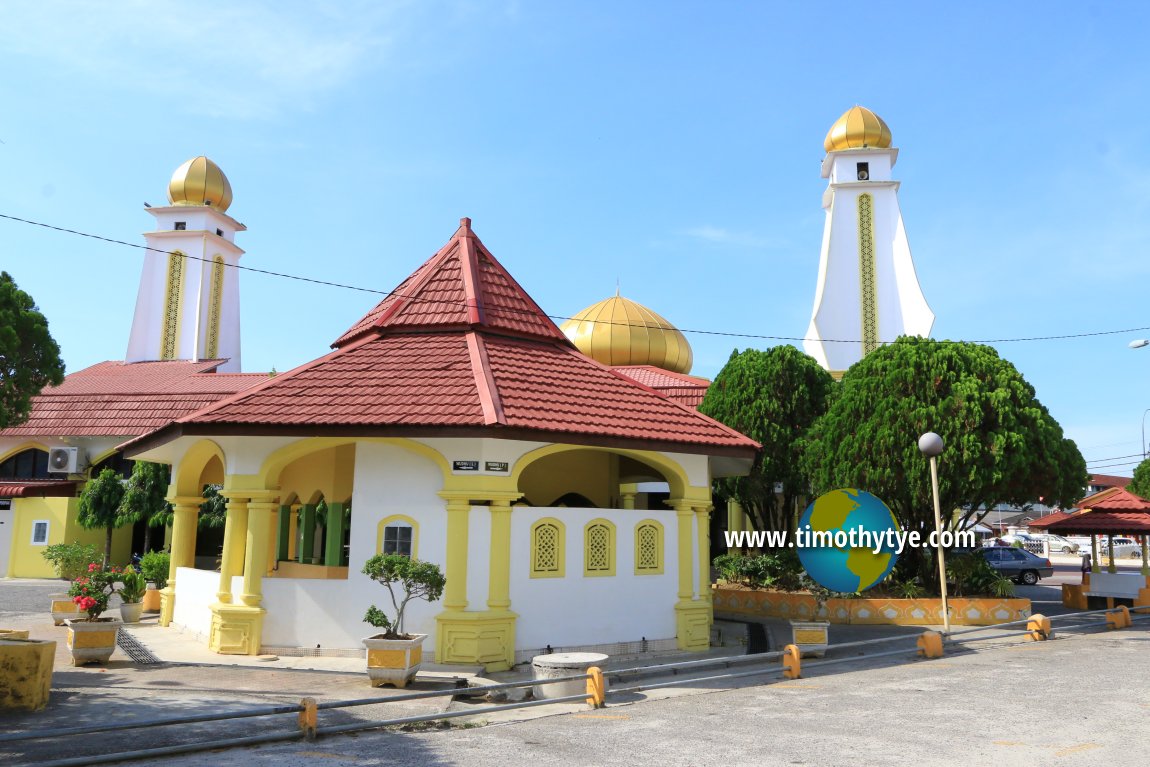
(236, 629)
(693, 624)
(1073, 596)
(879, 611)
(63, 608)
(13, 634)
(25, 673)
(393, 661)
(486, 638)
(92, 641)
(167, 605)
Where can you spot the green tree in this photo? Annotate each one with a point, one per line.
(29, 358)
(1001, 443)
(100, 507)
(1141, 484)
(772, 396)
(214, 509)
(145, 498)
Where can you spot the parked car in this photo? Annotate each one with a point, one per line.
(1083, 541)
(1123, 547)
(1018, 564)
(1058, 543)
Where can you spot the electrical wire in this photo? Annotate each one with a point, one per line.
(557, 318)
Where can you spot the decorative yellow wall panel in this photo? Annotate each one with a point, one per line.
(214, 306)
(868, 290)
(173, 292)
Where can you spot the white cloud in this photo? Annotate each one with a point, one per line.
(214, 58)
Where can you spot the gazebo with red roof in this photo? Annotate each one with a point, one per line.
(1115, 511)
(455, 423)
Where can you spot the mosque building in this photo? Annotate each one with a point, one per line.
(867, 292)
(184, 336)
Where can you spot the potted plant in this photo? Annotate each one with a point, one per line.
(70, 561)
(132, 587)
(93, 639)
(393, 656)
(811, 636)
(154, 566)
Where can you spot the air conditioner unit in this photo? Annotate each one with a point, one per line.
(64, 460)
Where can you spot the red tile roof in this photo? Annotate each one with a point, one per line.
(1109, 480)
(1055, 516)
(1105, 522)
(688, 390)
(461, 286)
(414, 368)
(127, 399)
(1114, 499)
(38, 488)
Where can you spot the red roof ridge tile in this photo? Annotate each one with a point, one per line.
(684, 377)
(489, 398)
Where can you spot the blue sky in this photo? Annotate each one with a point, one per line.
(672, 148)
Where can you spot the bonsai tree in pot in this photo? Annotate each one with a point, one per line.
(70, 561)
(394, 656)
(132, 587)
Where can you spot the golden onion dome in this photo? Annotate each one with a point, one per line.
(619, 331)
(858, 128)
(200, 181)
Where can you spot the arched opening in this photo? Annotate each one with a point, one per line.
(212, 516)
(314, 524)
(27, 464)
(597, 479)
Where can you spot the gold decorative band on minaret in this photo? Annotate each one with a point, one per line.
(214, 304)
(173, 293)
(868, 291)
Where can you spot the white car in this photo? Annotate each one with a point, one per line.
(1058, 543)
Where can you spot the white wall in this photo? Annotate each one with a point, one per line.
(576, 610)
(195, 594)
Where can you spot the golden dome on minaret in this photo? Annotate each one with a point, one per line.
(619, 331)
(200, 181)
(858, 128)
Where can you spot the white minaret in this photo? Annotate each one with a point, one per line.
(868, 293)
(188, 307)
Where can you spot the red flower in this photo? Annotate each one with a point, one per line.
(93, 566)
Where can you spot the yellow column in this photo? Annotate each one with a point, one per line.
(184, 520)
(734, 516)
(499, 569)
(1112, 567)
(455, 593)
(232, 559)
(1095, 565)
(685, 513)
(703, 525)
(1145, 555)
(627, 500)
(256, 559)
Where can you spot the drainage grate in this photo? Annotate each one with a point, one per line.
(136, 651)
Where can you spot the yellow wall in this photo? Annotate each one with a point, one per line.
(328, 472)
(27, 561)
(587, 472)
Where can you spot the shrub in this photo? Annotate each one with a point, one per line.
(132, 587)
(155, 566)
(973, 576)
(70, 560)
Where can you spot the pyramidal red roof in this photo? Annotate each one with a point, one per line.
(459, 349)
(461, 286)
(1115, 499)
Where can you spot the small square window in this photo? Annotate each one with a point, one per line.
(181, 226)
(40, 532)
(220, 232)
(397, 540)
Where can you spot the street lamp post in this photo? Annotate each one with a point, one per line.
(1144, 412)
(930, 444)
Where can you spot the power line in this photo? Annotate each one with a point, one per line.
(459, 304)
(1115, 458)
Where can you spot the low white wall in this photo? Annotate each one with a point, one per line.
(195, 594)
(579, 610)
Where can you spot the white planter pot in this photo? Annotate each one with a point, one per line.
(393, 661)
(63, 608)
(92, 642)
(810, 637)
(130, 611)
